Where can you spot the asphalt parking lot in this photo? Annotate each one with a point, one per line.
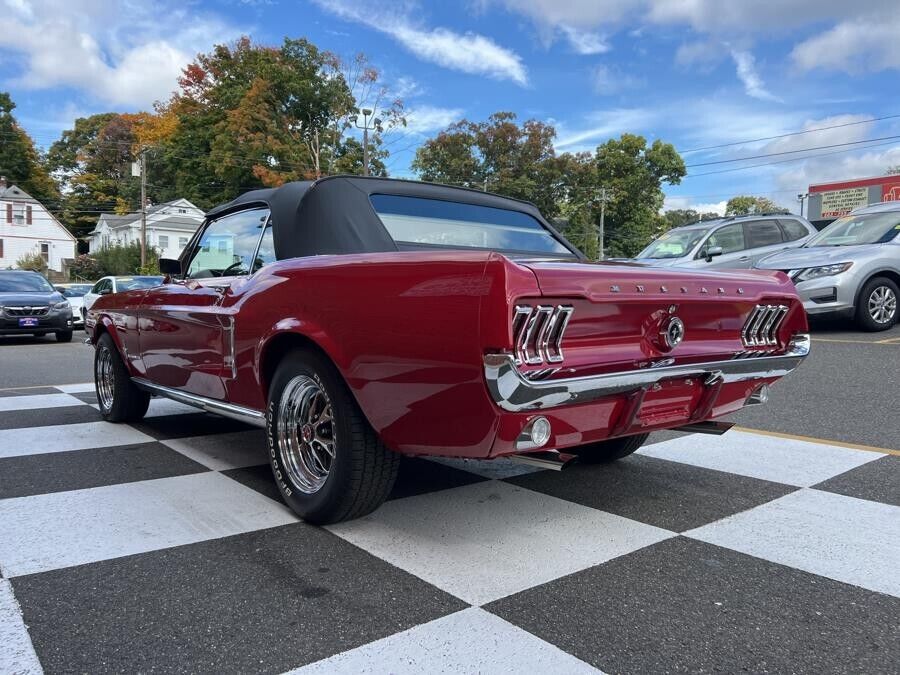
(162, 546)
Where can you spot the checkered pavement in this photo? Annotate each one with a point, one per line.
(163, 546)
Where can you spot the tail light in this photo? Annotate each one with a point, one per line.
(761, 327)
(538, 333)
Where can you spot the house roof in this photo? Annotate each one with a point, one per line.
(175, 221)
(13, 193)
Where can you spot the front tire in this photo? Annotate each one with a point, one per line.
(877, 306)
(603, 452)
(328, 463)
(63, 336)
(120, 400)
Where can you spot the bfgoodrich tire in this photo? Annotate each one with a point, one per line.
(608, 451)
(328, 463)
(120, 400)
(877, 308)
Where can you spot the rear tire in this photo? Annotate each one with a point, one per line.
(120, 400)
(608, 451)
(876, 309)
(328, 462)
(63, 336)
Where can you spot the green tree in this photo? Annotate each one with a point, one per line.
(634, 174)
(498, 155)
(679, 217)
(20, 162)
(743, 205)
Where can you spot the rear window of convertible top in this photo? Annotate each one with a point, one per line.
(426, 223)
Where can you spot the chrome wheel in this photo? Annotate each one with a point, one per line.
(882, 305)
(104, 376)
(305, 433)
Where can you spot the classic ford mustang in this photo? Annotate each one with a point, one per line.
(361, 319)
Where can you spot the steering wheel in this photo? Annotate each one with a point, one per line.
(239, 265)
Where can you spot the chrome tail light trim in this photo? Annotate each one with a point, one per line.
(761, 327)
(538, 333)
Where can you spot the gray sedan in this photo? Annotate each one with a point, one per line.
(850, 268)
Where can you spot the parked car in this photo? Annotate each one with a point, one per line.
(74, 293)
(733, 242)
(360, 319)
(851, 268)
(114, 284)
(30, 305)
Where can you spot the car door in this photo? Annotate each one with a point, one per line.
(182, 325)
(732, 239)
(764, 237)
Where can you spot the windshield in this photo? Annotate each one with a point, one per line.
(74, 291)
(131, 283)
(674, 243)
(865, 228)
(24, 282)
(414, 222)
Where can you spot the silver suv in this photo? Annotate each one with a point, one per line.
(733, 242)
(852, 267)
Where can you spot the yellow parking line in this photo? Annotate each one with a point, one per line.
(857, 342)
(889, 341)
(820, 441)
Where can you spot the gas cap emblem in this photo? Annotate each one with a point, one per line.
(672, 332)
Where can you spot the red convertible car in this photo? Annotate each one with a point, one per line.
(361, 319)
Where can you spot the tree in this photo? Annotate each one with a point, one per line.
(634, 174)
(679, 217)
(743, 205)
(893, 170)
(497, 155)
(20, 162)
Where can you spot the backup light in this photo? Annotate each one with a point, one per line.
(536, 434)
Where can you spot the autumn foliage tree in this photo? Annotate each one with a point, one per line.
(20, 162)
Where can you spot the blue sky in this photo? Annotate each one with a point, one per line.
(695, 73)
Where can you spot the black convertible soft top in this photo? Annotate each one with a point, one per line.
(333, 215)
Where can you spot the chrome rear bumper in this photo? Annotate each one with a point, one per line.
(515, 393)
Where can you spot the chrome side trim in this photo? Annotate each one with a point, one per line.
(514, 392)
(235, 412)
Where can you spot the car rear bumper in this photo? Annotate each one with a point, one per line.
(515, 393)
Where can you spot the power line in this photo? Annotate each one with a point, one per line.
(792, 152)
(788, 135)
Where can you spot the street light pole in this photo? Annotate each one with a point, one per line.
(143, 209)
(366, 127)
(802, 198)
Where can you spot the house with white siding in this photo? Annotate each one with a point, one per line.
(169, 227)
(26, 226)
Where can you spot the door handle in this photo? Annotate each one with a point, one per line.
(745, 257)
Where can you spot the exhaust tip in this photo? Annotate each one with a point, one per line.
(759, 395)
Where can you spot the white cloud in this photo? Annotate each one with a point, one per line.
(861, 44)
(576, 13)
(746, 72)
(425, 119)
(585, 42)
(704, 53)
(602, 125)
(687, 202)
(119, 52)
(466, 52)
(608, 81)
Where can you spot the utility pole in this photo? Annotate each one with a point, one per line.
(604, 196)
(376, 125)
(143, 208)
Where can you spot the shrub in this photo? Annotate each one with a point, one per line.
(32, 261)
(123, 259)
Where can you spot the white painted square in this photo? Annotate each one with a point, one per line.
(64, 437)
(80, 388)
(843, 538)
(488, 468)
(782, 460)
(488, 540)
(221, 452)
(470, 641)
(45, 532)
(9, 403)
(16, 651)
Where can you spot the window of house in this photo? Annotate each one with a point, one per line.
(182, 242)
(28, 214)
(45, 251)
(1, 248)
(163, 241)
(18, 214)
